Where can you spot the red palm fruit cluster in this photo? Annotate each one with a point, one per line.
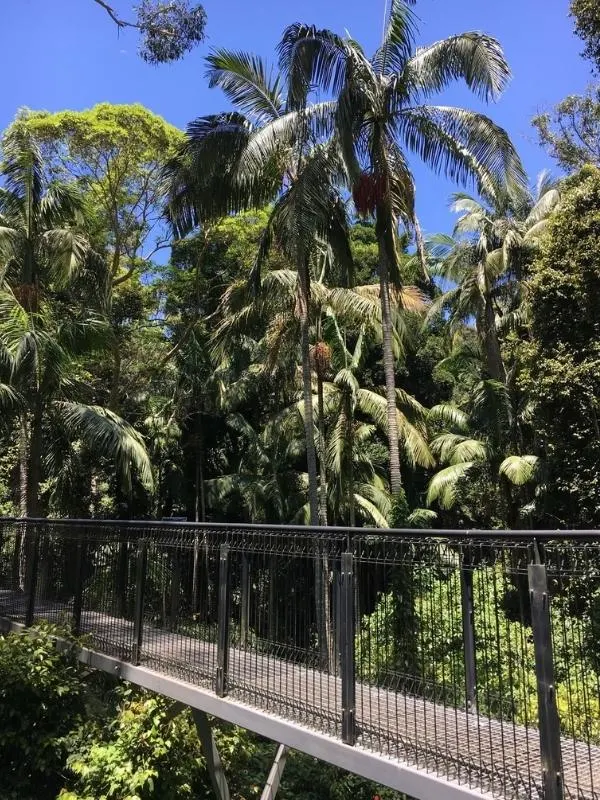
(368, 192)
(321, 358)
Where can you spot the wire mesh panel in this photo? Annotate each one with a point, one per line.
(108, 587)
(13, 600)
(55, 573)
(180, 604)
(573, 574)
(284, 654)
(445, 679)
(473, 656)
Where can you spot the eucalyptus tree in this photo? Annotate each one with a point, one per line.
(486, 260)
(44, 255)
(115, 154)
(382, 116)
(266, 152)
(167, 30)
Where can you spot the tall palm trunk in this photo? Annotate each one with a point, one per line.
(322, 465)
(350, 463)
(30, 475)
(321, 585)
(23, 465)
(307, 395)
(34, 463)
(486, 328)
(389, 366)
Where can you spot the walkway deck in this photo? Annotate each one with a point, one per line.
(482, 755)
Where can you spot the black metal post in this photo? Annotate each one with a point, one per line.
(175, 587)
(223, 623)
(140, 586)
(468, 629)
(549, 722)
(245, 602)
(347, 635)
(32, 578)
(78, 593)
(122, 574)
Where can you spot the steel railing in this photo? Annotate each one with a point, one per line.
(469, 653)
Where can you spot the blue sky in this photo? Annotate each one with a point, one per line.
(60, 54)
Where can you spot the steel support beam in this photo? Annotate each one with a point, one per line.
(274, 779)
(211, 754)
(78, 593)
(140, 587)
(31, 580)
(347, 636)
(223, 623)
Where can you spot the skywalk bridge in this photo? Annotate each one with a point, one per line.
(444, 664)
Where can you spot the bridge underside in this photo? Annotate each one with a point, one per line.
(491, 758)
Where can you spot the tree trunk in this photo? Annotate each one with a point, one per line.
(309, 426)
(200, 495)
(322, 466)
(350, 468)
(34, 463)
(200, 516)
(486, 329)
(421, 250)
(113, 401)
(32, 477)
(321, 604)
(23, 465)
(389, 368)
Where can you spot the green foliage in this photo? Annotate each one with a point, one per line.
(586, 14)
(571, 133)
(41, 699)
(563, 359)
(169, 30)
(148, 749)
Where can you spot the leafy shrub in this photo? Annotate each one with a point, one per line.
(41, 699)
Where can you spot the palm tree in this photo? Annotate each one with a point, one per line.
(356, 415)
(493, 242)
(271, 317)
(474, 443)
(42, 335)
(381, 115)
(264, 486)
(265, 152)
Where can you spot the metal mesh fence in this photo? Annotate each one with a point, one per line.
(473, 656)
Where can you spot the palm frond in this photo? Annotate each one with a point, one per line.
(519, 469)
(449, 415)
(247, 83)
(463, 145)
(108, 435)
(309, 56)
(444, 484)
(398, 38)
(474, 57)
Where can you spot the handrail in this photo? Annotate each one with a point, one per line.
(417, 533)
